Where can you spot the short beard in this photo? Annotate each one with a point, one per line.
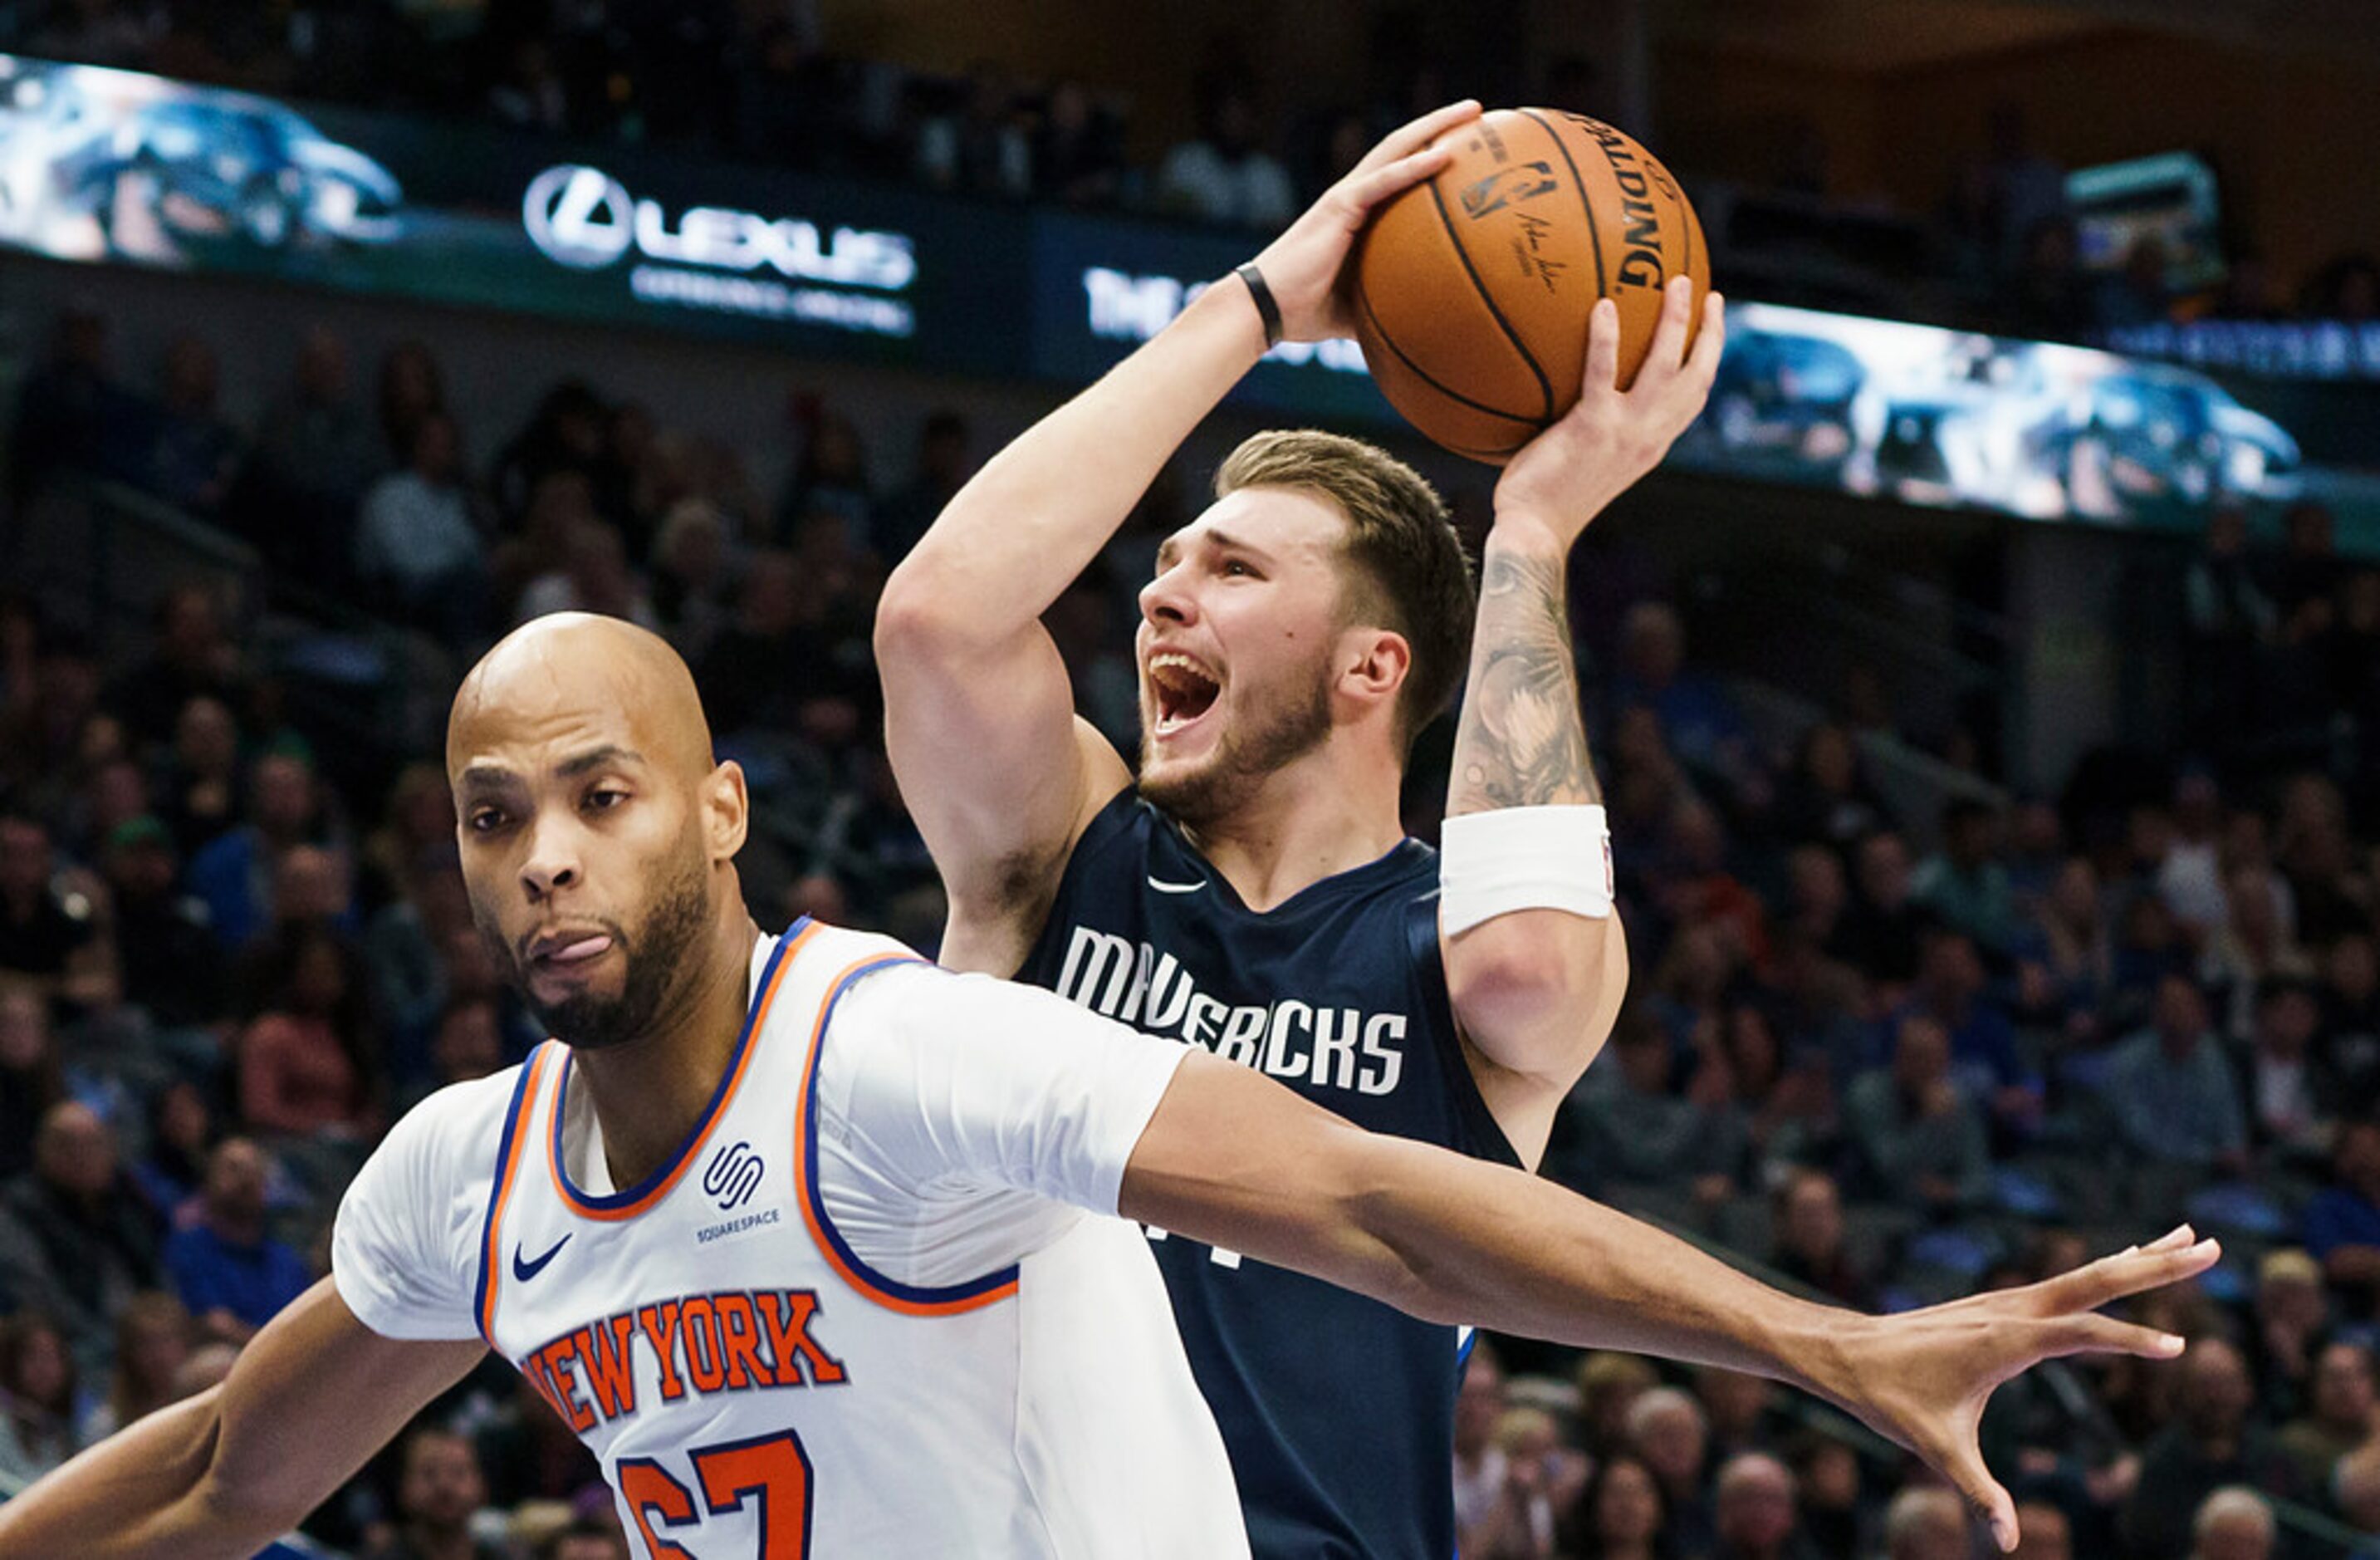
(1243, 760)
(657, 960)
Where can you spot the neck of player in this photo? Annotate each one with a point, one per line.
(647, 1093)
(1329, 812)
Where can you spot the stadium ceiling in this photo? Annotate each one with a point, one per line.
(1885, 36)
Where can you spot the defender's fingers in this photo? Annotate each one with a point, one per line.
(1409, 138)
(2129, 1273)
(2094, 1333)
(1984, 1495)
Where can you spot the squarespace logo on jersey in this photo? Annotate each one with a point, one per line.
(723, 260)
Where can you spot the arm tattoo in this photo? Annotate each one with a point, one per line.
(1520, 741)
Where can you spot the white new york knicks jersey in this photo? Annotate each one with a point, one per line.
(859, 1312)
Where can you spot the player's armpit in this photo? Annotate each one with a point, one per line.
(312, 1398)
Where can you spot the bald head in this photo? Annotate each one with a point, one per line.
(577, 666)
(598, 833)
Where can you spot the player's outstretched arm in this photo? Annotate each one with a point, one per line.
(224, 1473)
(1232, 1158)
(978, 709)
(1537, 990)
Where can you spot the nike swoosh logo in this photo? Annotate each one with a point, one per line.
(1164, 887)
(526, 1271)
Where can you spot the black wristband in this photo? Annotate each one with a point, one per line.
(1267, 309)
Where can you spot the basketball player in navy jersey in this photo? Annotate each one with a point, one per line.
(1253, 892)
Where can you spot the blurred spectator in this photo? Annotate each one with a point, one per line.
(302, 1064)
(1827, 1479)
(51, 941)
(440, 1489)
(152, 1341)
(2069, 941)
(1754, 1512)
(2190, 878)
(1224, 177)
(942, 468)
(1882, 937)
(1609, 1385)
(1698, 716)
(1078, 150)
(978, 142)
(1622, 1514)
(1479, 1463)
(1826, 797)
(70, 1244)
(198, 787)
(1926, 1522)
(2229, 615)
(595, 577)
(66, 406)
(1625, 1124)
(567, 432)
(1810, 1248)
(1739, 1406)
(1541, 1477)
(1666, 1432)
(1699, 890)
(234, 873)
(2340, 1416)
(412, 389)
(587, 1538)
(830, 478)
(181, 1131)
(37, 1399)
(2210, 1444)
(31, 1078)
(2234, 1523)
(316, 454)
(2290, 1095)
(418, 545)
(1953, 989)
(1923, 1145)
(2251, 955)
(2043, 1531)
(2342, 1222)
(190, 657)
(2355, 1488)
(182, 451)
(2170, 1086)
(692, 579)
(1965, 884)
(172, 966)
(231, 1274)
(2290, 1314)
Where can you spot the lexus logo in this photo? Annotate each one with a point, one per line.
(580, 216)
(584, 218)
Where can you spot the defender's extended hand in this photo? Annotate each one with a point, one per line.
(1923, 1377)
(1301, 266)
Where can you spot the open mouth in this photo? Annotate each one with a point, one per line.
(1183, 690)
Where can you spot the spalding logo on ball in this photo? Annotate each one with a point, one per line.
(1471, 290)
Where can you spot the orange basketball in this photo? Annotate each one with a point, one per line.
(1471, 290)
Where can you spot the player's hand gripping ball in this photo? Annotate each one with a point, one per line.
(1470, 291)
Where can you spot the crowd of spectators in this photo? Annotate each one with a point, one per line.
(1891, 1057)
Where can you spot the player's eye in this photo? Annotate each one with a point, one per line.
(484, 820)
(605, 798)
(1236, 566)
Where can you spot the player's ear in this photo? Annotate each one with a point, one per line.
(726, 810)
(1375, 664)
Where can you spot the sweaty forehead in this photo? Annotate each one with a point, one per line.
(549, 692)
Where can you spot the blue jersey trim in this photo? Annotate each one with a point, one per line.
(913, 1294)
(504, 1149)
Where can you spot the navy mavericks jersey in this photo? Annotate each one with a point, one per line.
(1338, 1411)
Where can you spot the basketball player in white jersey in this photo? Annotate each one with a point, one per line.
(794, 1231)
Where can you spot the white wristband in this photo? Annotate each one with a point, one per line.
(1524, 859)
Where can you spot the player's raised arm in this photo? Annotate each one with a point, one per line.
(978, 709)
(1232, 1158)
(1535, 961)
(224, 1473)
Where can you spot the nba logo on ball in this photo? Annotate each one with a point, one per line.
(1469, 288)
